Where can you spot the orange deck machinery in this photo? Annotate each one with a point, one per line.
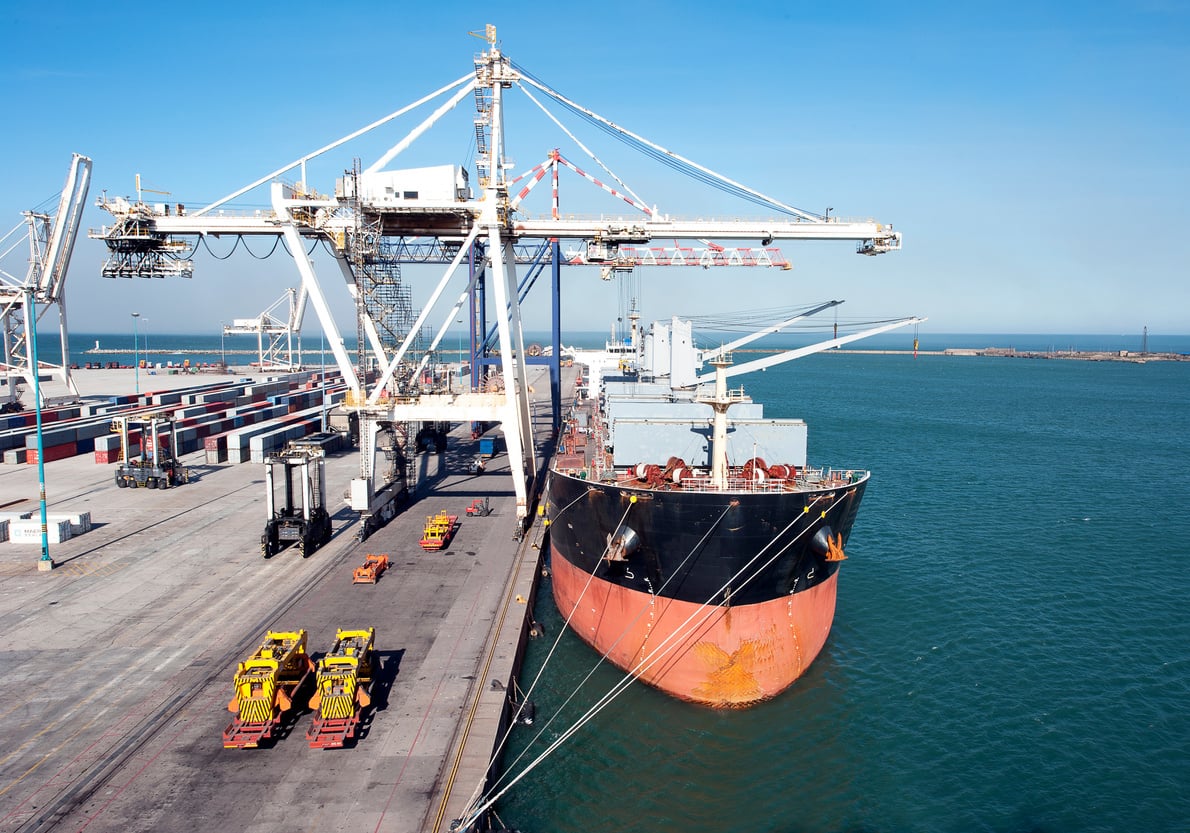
(369, 572)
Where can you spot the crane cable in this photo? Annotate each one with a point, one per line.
(578, 142)
(667, 157)
(653, 658)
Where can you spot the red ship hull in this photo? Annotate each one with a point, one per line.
(714, 655)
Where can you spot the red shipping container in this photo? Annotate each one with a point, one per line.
(54, 452)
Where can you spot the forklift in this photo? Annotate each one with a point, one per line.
(155, 467)
(295, 496)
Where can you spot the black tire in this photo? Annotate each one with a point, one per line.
(121, 482)
(151, 482)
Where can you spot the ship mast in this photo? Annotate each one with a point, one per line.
(720, 401)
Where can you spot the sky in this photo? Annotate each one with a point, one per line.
(1034, 155)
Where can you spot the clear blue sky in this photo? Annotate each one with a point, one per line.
(1033, 154)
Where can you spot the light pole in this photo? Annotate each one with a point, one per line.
(223, 345)
(460, 323)
(45, 563)
(136, 351)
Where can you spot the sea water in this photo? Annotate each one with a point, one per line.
(1011, 647)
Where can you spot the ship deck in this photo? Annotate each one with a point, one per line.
(581, 454)
(117, 665)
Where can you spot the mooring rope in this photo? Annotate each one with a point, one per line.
(645, 664)
(595, 667)
(476, 794)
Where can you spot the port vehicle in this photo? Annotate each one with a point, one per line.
(148, 444)
(295, 500)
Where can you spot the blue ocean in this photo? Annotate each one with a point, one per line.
(1011, 648)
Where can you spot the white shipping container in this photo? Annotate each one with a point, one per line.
(79, 522)
(29, 532)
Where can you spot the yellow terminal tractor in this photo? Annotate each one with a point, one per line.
(265, 685)
(342, 689)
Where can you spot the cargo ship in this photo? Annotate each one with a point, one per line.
(694, 548)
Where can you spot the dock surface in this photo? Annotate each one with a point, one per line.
(116, 667)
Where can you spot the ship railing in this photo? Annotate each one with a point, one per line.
(705, 484)
(806, 480)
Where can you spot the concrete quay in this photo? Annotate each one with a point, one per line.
(116, 666)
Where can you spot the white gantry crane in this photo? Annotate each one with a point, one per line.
(24, 301)
(275, 336)
(377, 218)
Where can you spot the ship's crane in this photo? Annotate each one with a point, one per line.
(23, 302)
(376, 215)
(275, 336)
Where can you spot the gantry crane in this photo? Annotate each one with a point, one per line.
(377, 218)
(23, 302)
(277, 352)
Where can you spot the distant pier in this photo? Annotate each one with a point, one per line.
(1011, 353)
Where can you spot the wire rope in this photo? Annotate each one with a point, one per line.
(665, 157)
(578, 142)
(603, 658)
(508, 732)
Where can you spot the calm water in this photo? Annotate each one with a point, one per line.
(1011, 650)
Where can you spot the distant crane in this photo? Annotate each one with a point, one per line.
(277, 353)
(23, 302)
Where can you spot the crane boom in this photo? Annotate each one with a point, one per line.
(65, 229)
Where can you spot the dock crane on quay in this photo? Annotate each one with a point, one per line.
(23, 302)
(274, 336)
(376, 220)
